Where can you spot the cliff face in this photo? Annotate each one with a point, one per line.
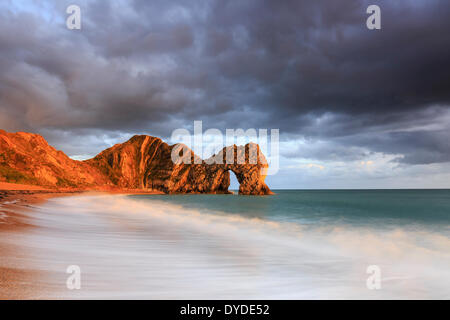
(27, 158)
(248, 164)
(128, 164)
(143, 163)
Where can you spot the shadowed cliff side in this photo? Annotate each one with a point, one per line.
(141, 163)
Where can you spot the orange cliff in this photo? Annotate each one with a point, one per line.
(141, 163)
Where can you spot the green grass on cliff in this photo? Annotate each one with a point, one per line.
(62, 182)
(11, 175)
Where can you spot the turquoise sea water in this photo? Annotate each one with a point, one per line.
(378, 208)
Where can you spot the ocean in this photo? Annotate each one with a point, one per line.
(297, 244)
(380, 208)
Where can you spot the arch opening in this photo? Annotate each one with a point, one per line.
(234, 183)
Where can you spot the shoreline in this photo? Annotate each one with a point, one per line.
(141, 249)
(19, 281)
(16, 198)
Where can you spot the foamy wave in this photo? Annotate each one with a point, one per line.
(151, 249)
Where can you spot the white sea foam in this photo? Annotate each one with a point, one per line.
(151, 249)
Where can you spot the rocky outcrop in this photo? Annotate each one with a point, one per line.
(250, 167)
(27, 158)
(246, 162)
(143, 163)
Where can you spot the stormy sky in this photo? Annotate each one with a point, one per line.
(356, 108)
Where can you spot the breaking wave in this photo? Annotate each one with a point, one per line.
(156, 250)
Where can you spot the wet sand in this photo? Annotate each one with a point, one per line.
(19, 277)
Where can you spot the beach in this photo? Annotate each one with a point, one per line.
(144, 246)
(18, 280)
(19, 277)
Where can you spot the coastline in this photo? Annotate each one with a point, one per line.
(16, 279)
(168, 248)
(19, 280)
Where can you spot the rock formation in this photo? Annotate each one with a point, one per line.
(145, 162)
(27, 158)
(141, 163)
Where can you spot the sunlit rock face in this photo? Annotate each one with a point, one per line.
(248, 164)
(27, 158)
(145, 162)
(141, 163)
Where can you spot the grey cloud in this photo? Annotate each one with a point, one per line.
(309, 68)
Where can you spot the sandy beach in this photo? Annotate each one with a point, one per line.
(19, 279)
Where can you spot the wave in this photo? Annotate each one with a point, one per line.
(128, 248)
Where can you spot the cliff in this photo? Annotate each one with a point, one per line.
(27, 158)
(141, 163)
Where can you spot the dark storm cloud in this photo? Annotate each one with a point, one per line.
(310, 68)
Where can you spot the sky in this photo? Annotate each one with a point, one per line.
(355, 108)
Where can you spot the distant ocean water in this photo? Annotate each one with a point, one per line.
(297, 244)
(381, 208)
